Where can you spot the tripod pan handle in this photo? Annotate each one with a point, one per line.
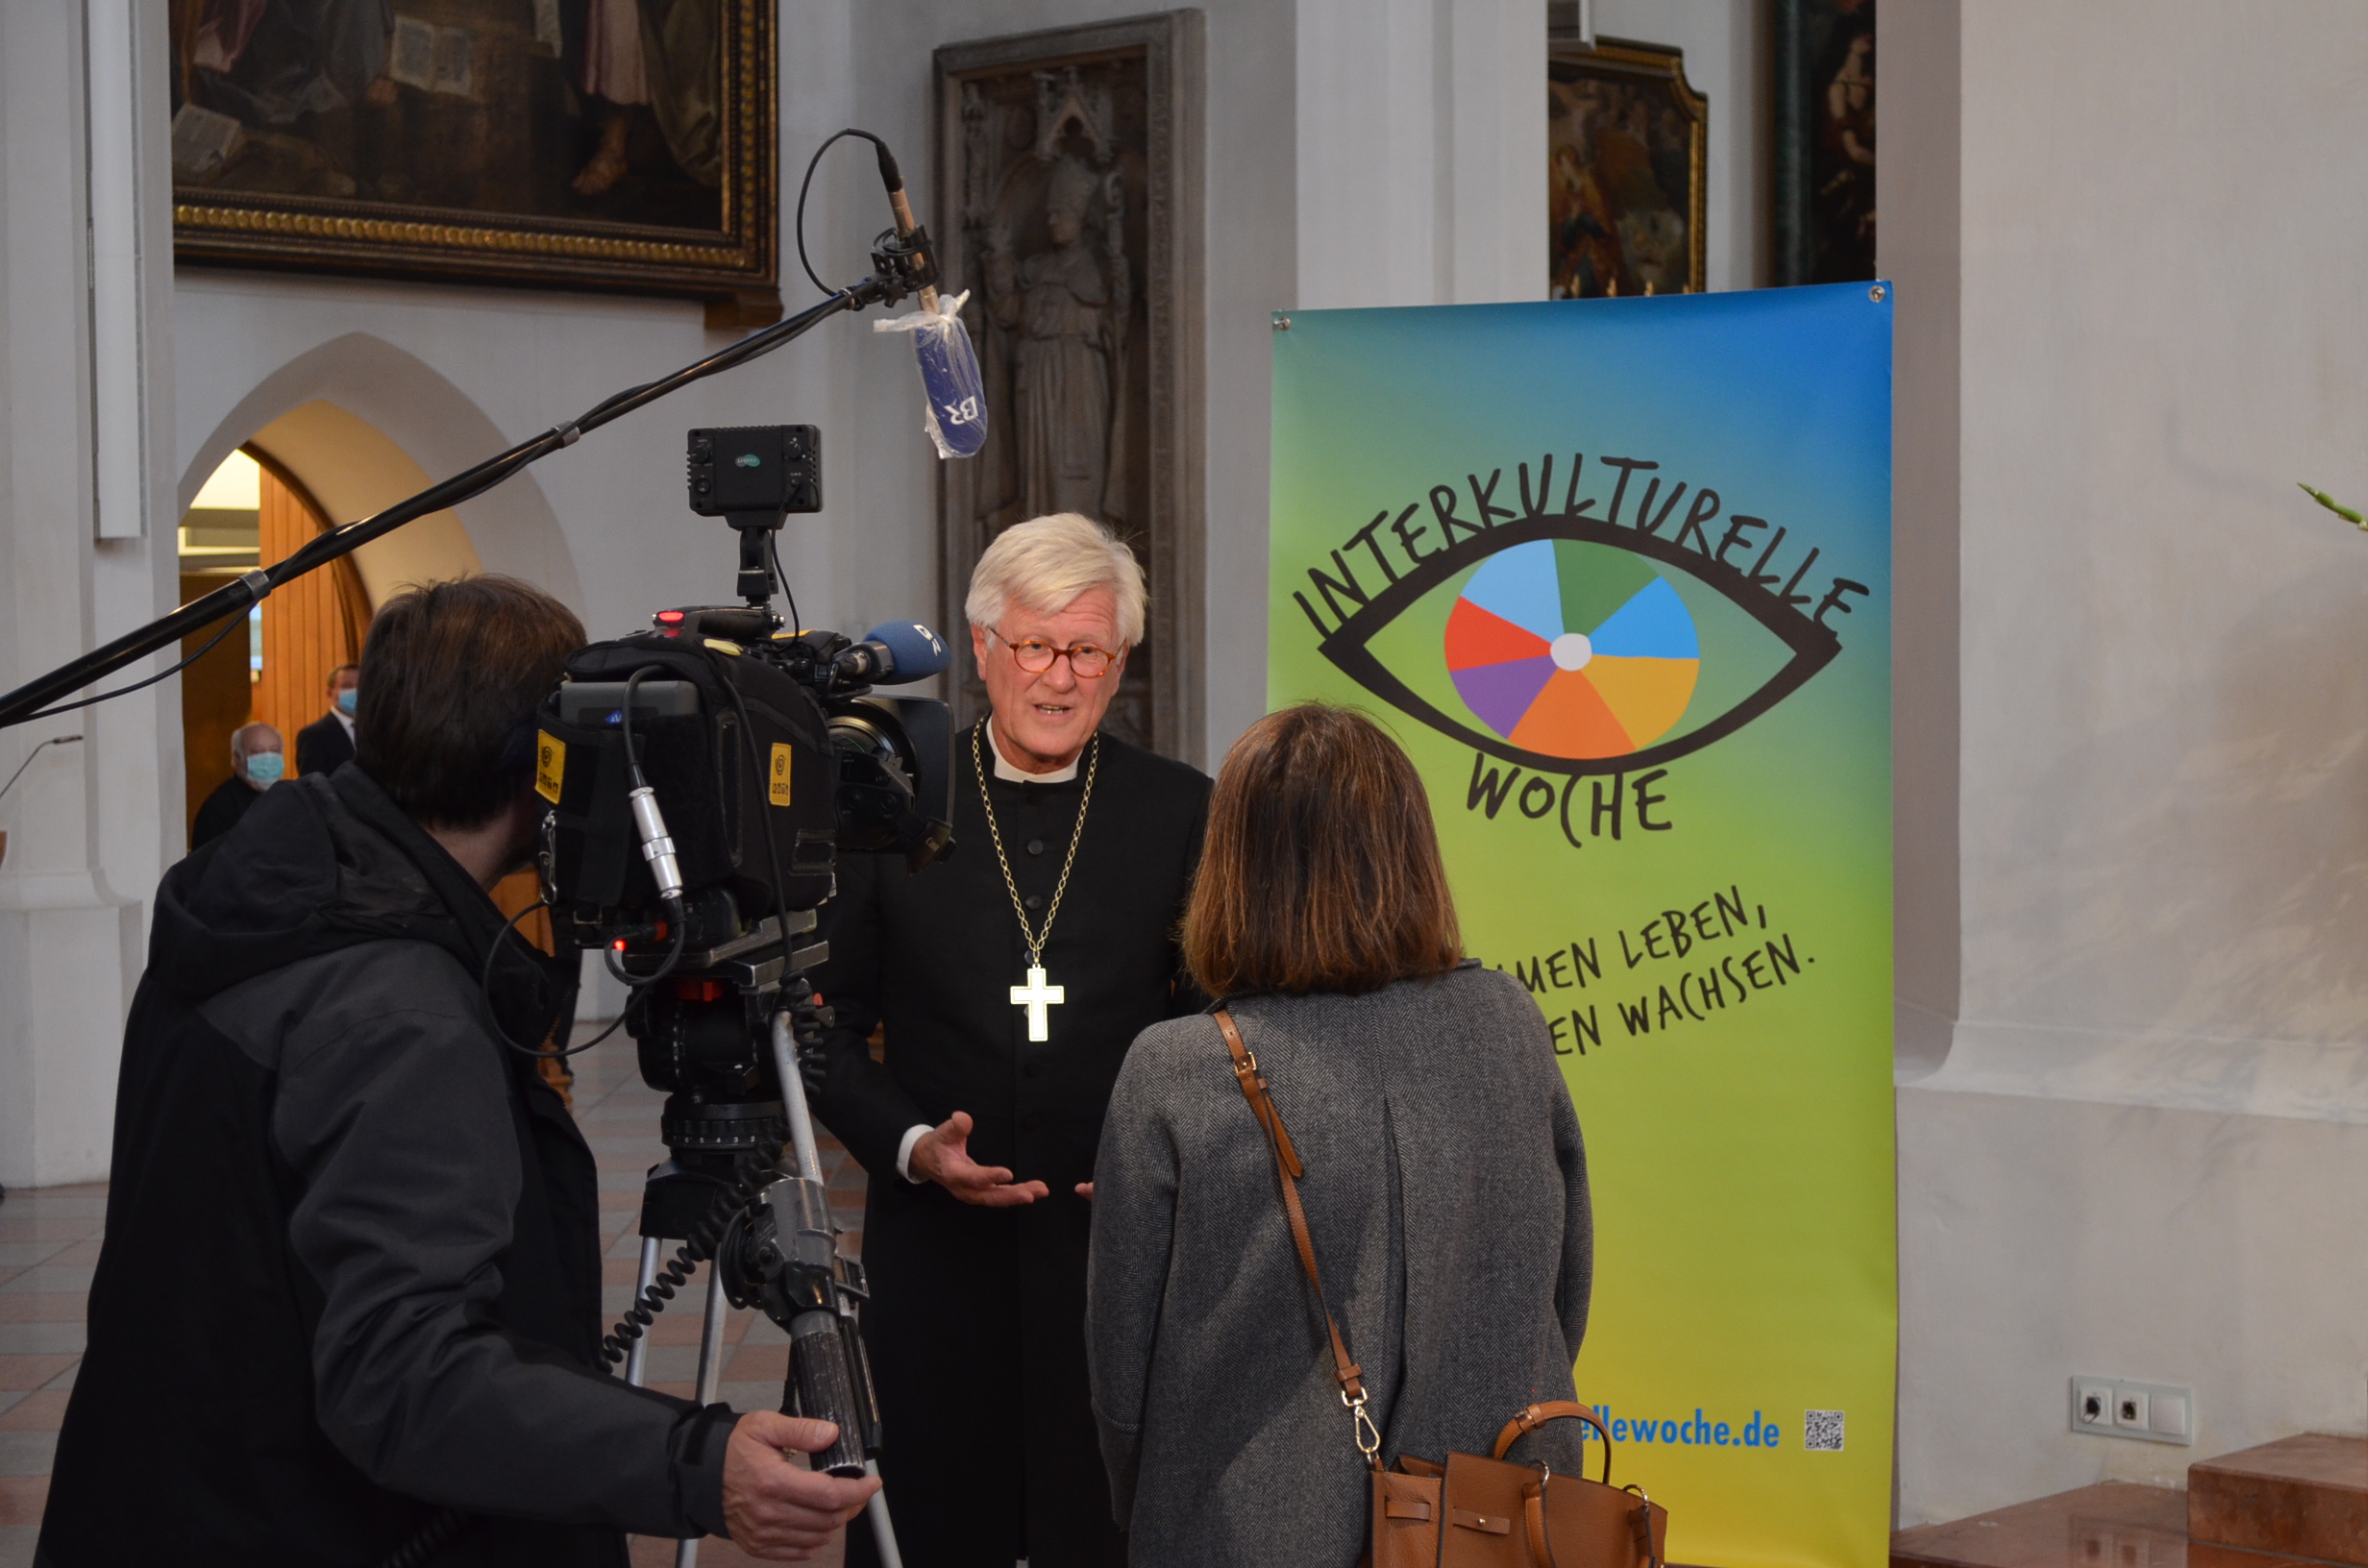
(826, 1391)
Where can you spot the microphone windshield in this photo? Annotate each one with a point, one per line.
(958, 399)
(957, 396)
(918, 652)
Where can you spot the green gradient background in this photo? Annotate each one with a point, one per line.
(1742, 1167)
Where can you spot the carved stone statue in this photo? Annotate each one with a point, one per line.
(1066, 309)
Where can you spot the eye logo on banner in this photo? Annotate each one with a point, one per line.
(1571, 647)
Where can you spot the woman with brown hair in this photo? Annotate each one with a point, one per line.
(1445, 1183)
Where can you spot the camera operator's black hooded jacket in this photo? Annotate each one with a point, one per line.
(352, 1266)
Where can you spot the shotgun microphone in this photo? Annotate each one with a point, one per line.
(910, 232)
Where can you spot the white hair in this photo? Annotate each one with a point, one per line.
(238, 741)
(1044, 563)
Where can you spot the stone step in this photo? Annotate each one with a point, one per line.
(2114, 1524)
(2305, 1496)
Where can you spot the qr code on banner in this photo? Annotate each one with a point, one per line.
(1821, 1430)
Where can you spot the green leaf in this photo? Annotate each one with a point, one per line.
(2331, 505)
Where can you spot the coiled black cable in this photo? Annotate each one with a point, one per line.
(430, 1538)
(698, 1248)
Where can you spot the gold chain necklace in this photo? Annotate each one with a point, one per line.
(1037, 994)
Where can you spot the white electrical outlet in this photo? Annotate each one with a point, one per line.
(2150, 1412)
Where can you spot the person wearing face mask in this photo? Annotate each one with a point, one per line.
(1007, 982)
(257, 761)
(327, 744)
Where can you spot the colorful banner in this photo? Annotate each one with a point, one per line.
(1617, 574)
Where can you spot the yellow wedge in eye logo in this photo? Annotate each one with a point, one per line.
(549, 765)
(777, 790)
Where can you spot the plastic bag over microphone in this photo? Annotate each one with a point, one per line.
(956, 396)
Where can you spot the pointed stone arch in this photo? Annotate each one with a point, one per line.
(364, 424)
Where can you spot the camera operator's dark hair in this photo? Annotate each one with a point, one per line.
(1321, 869)
(451, 675)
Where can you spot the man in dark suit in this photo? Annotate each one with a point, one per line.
(1008, 983)
(327, 744)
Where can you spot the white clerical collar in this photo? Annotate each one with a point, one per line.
(1006, 771)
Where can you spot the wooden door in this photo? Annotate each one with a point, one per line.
(311, 626)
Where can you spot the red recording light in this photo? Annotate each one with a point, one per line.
(618, 944)
(668, 618)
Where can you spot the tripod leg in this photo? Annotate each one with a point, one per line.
(882, 1536)
(710, 1375)
(638, 1355)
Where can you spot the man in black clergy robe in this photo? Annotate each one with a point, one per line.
(978, 1129)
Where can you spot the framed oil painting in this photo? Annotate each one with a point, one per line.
(1824, 208)
(570, 143)
(1626, 140)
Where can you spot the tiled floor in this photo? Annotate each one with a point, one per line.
(49, 1240)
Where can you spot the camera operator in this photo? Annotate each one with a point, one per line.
(351, 1271)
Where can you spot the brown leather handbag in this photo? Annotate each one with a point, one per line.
(1472, 1511)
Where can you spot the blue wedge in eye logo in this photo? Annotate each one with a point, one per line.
(748, 459)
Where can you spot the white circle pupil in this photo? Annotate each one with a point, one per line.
(1571, 651)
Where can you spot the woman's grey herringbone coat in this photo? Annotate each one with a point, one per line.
(1447, 1191)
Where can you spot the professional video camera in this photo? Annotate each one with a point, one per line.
(703, 777)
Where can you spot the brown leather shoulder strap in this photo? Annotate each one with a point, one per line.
(1288, 1168)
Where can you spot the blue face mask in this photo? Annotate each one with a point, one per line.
(346, 699)
(264, 768)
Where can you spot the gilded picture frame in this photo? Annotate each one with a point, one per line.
(1628, 140)
(584, 144)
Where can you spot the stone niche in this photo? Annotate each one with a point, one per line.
(1069, 186)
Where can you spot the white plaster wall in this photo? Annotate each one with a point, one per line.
(2144, 1154)
(84, 365)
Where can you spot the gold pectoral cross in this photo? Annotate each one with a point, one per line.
(1036, 997)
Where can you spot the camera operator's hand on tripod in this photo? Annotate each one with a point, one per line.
(943, 1155)
(776, 1509)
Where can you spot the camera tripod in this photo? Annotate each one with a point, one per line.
(727, 1194)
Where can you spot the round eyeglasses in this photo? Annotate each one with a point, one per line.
(1035, 655)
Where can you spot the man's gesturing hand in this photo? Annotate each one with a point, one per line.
(779, 1510)
(943, 1155)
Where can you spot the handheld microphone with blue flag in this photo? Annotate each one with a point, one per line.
(894, 654)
